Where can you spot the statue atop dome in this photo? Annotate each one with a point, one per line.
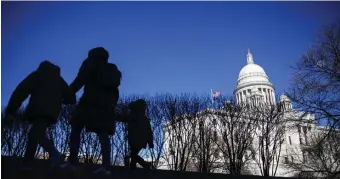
(250, 57)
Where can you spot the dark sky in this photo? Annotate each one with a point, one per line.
(161, 46)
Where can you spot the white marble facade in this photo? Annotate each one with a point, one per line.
(253, 86)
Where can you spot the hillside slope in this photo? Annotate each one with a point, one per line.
(10, 169)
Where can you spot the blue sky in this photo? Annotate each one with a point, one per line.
(161, 46)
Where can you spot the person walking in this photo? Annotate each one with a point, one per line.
(47, 91)
(96, 109)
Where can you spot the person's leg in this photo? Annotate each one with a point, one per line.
(31, 146)
(141, 161)
(134, 157)
(46, 143)
(105, 149)
(75, 143)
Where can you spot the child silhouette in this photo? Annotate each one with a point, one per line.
(139, 132)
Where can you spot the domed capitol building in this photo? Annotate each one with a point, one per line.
(255, 89)
(253, 84)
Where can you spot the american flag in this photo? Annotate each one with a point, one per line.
(216, 94)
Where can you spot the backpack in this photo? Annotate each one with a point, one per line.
(109, 76)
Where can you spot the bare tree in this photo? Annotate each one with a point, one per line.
(316, 80)
(206, 152)
(13, 134)
(237, 129)
(180, 113)
(321, 158)
(155, 114)
(316, 89)
(270, 132)
(62, 130)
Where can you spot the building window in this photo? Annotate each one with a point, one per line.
(216, 154)
(305, 129)
(286, 160)
(223, 122)
(200, 125)
(172, 152)
(290, 140)
(214, 121)
(225, 136)
(304, 157)
(299, 129)
(215, 136)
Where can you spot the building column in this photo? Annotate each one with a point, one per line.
(240, 94)
(237, 98)
(271, 96)
(268, 94)
(244, 97)
(274, 100)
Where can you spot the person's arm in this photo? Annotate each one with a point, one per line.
(83, 73)
(68, 96)
(122, 118)
(21, 93)
(123, 114)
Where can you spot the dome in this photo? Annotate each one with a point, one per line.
(251, 73)
(251, 69)
(253, 84)
(284, 98)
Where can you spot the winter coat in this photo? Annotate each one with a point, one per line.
(139, 132)
(47, 90)
(96, 108)
(98, 120)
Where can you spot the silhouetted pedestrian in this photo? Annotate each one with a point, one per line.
(96, 108)
(47, 91)
(139, 132)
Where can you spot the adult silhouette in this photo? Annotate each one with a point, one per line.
(96, 108)
(47, 91)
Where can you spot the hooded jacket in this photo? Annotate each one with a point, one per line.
(139, 129)
(47, 91)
